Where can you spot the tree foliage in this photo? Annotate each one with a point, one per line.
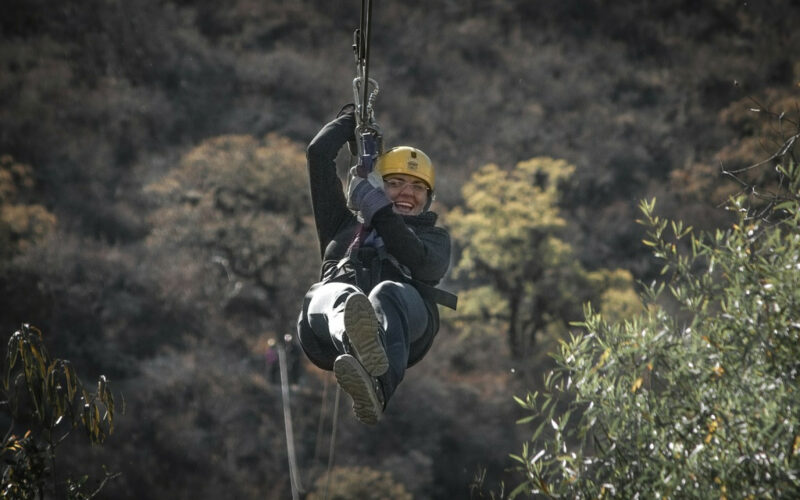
(699, 402)
(358, 482)
(233, 215)
(45, 400)
(524, 272)
(101, 97)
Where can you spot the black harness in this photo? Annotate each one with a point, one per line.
(362, 266)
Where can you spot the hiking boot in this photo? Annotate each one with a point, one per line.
(363, 333)
(363, 389)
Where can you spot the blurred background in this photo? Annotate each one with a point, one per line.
(155, 221)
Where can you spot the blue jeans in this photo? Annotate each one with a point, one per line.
(401, 314)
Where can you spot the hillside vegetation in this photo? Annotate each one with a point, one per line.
(155, 221)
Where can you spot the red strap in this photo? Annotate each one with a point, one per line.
(361, 233)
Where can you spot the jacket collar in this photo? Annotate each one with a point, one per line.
(424, 219)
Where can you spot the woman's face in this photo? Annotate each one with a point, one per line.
(408, 193)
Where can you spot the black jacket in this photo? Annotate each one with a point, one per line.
(419, 247)
(414, 241)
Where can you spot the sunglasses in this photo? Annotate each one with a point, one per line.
(399, 185)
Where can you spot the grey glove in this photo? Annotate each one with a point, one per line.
(374, 179)
(366, 197)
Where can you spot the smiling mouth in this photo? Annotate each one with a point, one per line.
(402, 206)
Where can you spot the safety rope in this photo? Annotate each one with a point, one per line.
(287, 422)
(294, 475)
(322, 413)
(332, 449)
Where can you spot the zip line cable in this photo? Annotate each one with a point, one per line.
(362, 55)
(365, 90)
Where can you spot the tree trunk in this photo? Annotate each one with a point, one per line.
(514, 332)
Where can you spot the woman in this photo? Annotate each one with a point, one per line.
(374, 313)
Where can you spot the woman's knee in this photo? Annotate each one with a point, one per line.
(402, 301)
(326, 296)
(399, 292)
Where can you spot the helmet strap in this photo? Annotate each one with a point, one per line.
(431, 197)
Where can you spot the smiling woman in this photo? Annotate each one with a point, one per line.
(408, 179)
(408, 194)
(374, 312)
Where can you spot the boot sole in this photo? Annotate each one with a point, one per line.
(356, 382)
(361, 326)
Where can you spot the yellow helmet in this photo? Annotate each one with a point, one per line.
(409, 161)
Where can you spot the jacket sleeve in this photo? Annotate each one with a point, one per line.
(426, 253)
(327, 194)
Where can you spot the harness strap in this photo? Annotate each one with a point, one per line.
(370, 273)
(441, 297)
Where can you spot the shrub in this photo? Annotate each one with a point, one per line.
(45, 398)
(358, 482)
(695, 402)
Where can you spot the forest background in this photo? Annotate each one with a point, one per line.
(156, 223)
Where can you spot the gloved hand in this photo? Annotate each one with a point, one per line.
(365, 197)
(374, 179)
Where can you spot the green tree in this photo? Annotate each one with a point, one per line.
(696, 400)
(44, 399)
(232, 218)
(522, 272)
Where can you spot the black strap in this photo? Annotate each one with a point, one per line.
(441, 297)
(370, 274)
